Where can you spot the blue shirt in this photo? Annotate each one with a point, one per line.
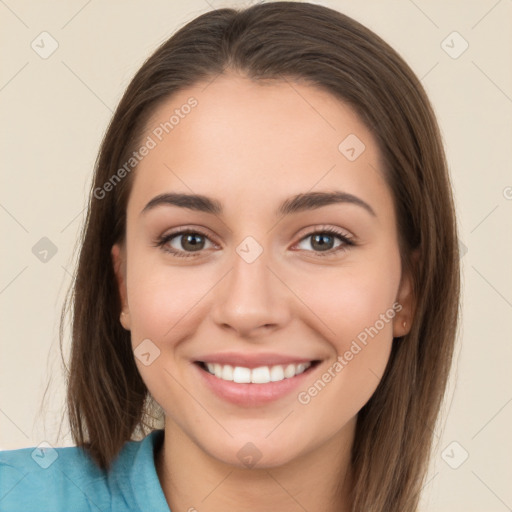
(67, 480)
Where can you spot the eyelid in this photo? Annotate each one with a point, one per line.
(323, 228)
(188, 229)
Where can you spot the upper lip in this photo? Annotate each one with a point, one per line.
(253, 360)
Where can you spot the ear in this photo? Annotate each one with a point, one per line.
(407, 300)
(118, 253)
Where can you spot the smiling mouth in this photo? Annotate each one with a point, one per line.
(259, 375)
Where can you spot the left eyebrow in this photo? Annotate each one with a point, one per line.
(294, 204)
(313, 200)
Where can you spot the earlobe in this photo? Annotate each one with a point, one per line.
(403, 318)
(119, 264)
(124, 318)
(406, 298)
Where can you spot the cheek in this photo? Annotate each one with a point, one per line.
(358, 306)
(162, 298)
(164, 303)
(351, 300)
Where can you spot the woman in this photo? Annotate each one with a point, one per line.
(270, 260)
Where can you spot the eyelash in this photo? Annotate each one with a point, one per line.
(162, 241)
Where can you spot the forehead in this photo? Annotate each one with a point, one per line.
(245, 139)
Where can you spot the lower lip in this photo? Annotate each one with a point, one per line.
(252, 394)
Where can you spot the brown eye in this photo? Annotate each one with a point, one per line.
(191, 241)
(183, 243)
(323, 242)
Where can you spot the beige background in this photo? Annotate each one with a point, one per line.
(55, 110)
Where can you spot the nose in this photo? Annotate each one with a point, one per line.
(251, 300)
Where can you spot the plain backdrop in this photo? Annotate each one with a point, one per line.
(56, 106)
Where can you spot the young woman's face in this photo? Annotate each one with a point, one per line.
(260, 281)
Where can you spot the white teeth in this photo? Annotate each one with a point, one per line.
(276, 373)
(241, 375)
(227, 372)
(301, 367)
(260, 375)
(289, 371)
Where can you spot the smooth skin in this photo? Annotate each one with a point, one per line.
(251, 146)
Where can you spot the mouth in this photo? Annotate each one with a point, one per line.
(259, 375)
(257, 386)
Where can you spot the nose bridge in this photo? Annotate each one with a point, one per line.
(250, 296)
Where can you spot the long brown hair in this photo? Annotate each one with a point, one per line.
(107, 401)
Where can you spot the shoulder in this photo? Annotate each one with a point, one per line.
(46, 478)
(62, 479)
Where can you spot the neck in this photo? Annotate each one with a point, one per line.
(193, 480)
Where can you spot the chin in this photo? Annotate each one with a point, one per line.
(255, 453)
